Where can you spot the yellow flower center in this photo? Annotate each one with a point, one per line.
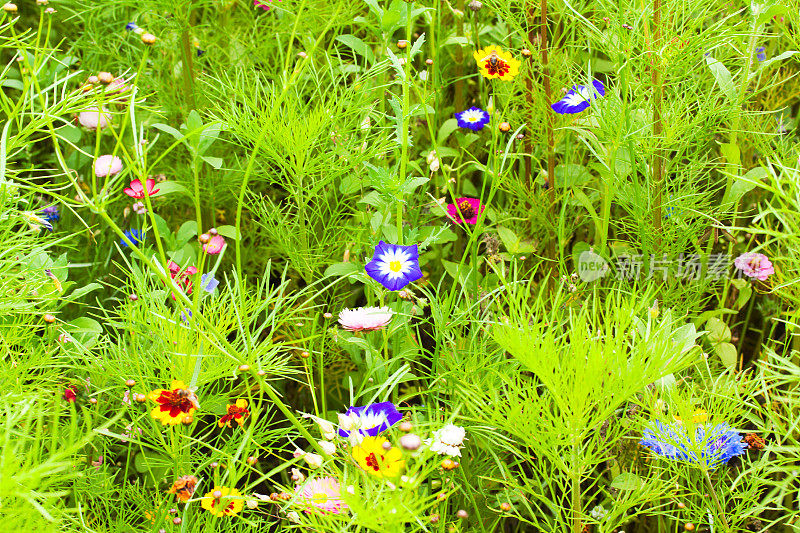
(320, 497)
(395, 266)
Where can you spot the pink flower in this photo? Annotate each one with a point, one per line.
(365, 318)
(92, 118)
(107, 165)
(321, 493)
(214, 245)
(754, 265)
(137, 191)
(465, 210)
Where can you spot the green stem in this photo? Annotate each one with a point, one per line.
(716, 501)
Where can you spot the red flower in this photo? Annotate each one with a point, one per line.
(465, 210)
(182, 279)
(137, 191)
(69, 395)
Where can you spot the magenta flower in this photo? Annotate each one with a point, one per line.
(465, 210)
(214, 245)
(137, 191)
(262, 5)
(93, 118)
(107, 165)
(365, 318)
(754, 265)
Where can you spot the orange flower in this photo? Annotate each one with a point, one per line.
(183, 488)
(237, 412)
(175, 404)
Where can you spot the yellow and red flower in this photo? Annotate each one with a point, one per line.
(236, 412)
(174, 404)
(222, 501)
(494, 63)
(372, 457)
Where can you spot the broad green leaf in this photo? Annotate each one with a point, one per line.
(718, 331)
(228, 231)
(187, 230)
(168, 187)
(358, 46)
(727, 353)
(215, 162)
(448, 127)
(86, 289)
(341, 269)
(724, 79)
(570, 175)
(627, 481)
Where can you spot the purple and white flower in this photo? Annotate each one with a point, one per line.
(579, 98)
(368, 420)
(473, 118)
(394, 266)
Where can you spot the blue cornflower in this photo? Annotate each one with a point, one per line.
(50, 213)
(134, 235)
(578, 99)
(131, 26)
(711, 445)
(394, 266)
(473, 118)
(368, 420)
(208, 283)
(760, 54)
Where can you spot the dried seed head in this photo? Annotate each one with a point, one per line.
(475, 5)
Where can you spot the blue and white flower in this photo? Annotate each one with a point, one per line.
(208, 283)
(579, 98)
(394, 266)
(473, 118)
(368, 420)
(711, 445)
(761, 53)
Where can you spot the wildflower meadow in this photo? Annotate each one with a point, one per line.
(400, 266)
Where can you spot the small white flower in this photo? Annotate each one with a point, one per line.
(328, 447)
(447, 440)
(314, 460)
(423, 75)
(598, 512)
(346, 422)
(365, 319)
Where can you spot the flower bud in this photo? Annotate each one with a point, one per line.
(410, 441)
(475, 6)
(327, 446)
(10, 8)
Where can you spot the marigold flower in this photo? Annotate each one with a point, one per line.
(369, 420)
(710, 445)
(465, 210)
(394, 266)
(494, 63)
(321, 495)
(183, 488)
(174, 404)
(754, 265)
(236, 412)
(365, 318)
(214, 245)
(107, 165)
(373, 457)
(222, 501)
(579, 98)
(136, 190)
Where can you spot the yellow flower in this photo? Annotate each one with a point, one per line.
(222, 501)
(175, 404)
(373, 458)
(236, 412)
(700, 417)
(494, 63)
